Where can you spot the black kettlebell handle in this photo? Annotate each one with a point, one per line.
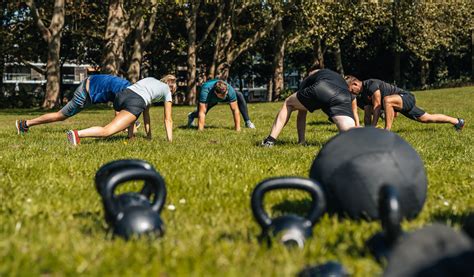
(390, 212)
(120, 177)
(113, 166)
(318, 201)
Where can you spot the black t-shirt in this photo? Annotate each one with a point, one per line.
(329, 76)
(370, 86)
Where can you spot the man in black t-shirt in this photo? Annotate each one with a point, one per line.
(394, 99)
(322, 89)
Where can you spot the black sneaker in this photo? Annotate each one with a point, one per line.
(267, 143)
(190, 120)
(21, 127)
(459, 125)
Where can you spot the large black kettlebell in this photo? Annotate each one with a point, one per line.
(128, 198)
(291, 230)
(132, 218)
(390, 213)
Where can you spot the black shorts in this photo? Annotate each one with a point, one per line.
(130, 101)
(410, 109)
(331, 99)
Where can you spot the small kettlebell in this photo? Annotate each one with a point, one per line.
(291, 230)
(390, 216)
(128, 198)
(129, 219)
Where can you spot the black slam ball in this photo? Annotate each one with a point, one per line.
(354, 165)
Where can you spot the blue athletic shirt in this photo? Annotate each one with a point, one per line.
(207, 94)
(103, 88)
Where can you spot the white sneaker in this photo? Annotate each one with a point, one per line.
(249, 124)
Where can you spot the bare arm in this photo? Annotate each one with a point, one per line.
(146, 122)
(367, 115)
(236, 113)
(168, 121)
(377, 104)
(202, 116)
(355, 112)
(301, 126)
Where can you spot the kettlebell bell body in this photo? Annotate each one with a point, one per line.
(291, 230)
(133, 214)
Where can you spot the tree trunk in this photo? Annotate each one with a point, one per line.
(338, 58)
(191, 21)
(52, 35)
(396, 68)
(115, 35)
(318, 53)
(223, 36)
(142, 39)
(278, 70)
(472, 55)
(269, 89)
(424, 73)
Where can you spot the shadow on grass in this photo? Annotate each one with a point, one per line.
(290, 143)
(185, 127)
(319, 123)
(96, 222)
(299, 207)
(447, 217)
(423, 130)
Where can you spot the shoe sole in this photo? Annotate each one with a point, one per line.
(71, 138)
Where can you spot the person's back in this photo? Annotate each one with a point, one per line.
(372, 85)
(325, 75)
(103, 88)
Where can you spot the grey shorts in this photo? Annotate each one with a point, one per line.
(130, 101)
(79, 101)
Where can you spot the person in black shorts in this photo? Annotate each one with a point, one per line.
(394, 99)
(323, 89)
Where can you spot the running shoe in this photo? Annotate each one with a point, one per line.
(267, 143)
(21, 127)
(459, 125)
(249, 124)
(190, 120)
(73, 137)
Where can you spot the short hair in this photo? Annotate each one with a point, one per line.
(220, 87)
(350, 79)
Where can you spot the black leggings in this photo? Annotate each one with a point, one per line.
(240, 102)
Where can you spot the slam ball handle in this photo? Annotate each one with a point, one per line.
(120, 177)
(390, 212)
(113, 166)
(318, 201)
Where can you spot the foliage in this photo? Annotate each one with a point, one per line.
(51, 219)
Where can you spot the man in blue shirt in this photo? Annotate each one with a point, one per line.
(93, 90)
(212, 92)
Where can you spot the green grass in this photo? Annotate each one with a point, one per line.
(51, 218)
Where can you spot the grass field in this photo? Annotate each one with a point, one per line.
(51, 218)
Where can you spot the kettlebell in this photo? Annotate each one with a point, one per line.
(128, 198)
(130, 218)
(291, 230)
(382, 243)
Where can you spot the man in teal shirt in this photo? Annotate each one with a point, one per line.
(215, 91)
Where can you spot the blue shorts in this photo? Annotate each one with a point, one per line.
(79, 101)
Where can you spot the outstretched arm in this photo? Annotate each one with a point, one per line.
(377, 104)
(202, 116)
(355, 112)
(146, 122)
(168, 121)
(301, 126)
(236, 113)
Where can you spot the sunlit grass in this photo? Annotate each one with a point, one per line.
(51, 219)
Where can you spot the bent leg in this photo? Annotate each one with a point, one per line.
(46, 118)
(343, 122)
(291, 104)
(437, 118)
(391, 103)
(123, 120)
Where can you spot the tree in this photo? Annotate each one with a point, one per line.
(52, 35)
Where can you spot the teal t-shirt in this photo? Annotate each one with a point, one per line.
(207, 94)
